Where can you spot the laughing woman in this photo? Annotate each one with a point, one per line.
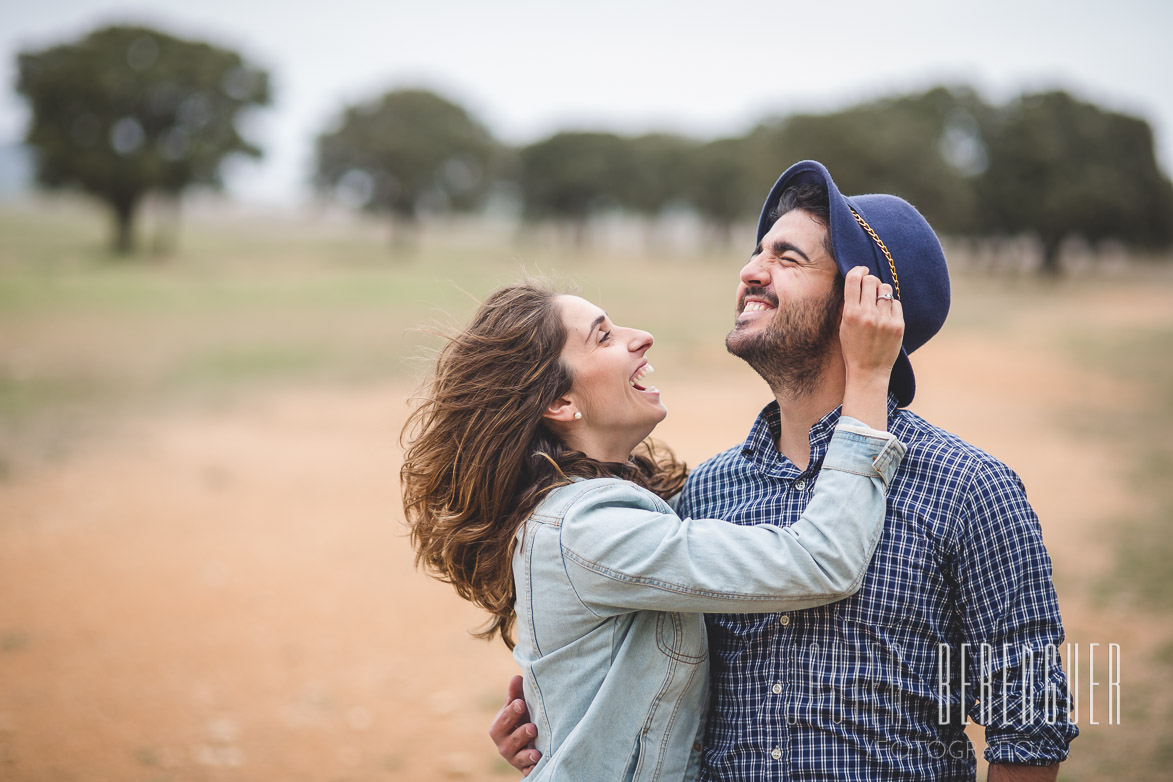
(530, 487)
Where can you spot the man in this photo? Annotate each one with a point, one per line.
(957, 616)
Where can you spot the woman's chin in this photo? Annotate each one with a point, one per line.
(647, 432)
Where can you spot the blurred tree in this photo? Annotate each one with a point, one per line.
(126, 111)
(408, 150)
(660, 173)
(571, 176)
(724, 185)
(658, 178)
(925, 148)
(1059, 167)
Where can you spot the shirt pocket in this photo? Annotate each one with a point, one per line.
(899, 581)
(682, 637)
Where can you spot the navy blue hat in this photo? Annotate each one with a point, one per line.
(915, 269)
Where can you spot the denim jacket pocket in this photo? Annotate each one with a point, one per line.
(682, 637)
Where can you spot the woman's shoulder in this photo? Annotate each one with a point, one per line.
(585, 496)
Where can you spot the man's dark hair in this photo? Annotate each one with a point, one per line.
(810, 198)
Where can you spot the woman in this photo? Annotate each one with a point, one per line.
(526, 488)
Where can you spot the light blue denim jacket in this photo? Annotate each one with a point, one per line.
(611, 590)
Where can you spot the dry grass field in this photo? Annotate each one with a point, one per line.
(203, 571)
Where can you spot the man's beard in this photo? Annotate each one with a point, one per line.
(791, 353)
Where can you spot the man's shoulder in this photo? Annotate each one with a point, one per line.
(719, 466)
(932, 453)
(932, 449)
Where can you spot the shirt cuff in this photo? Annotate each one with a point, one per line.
(1027, 752)
(857, 448)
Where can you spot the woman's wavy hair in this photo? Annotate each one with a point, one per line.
(480, 456)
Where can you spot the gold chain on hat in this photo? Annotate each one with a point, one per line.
(883, 247)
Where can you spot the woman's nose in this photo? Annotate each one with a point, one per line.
(640, 341)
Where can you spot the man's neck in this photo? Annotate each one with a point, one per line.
(800, 413)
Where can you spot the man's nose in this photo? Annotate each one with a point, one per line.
(753, 274)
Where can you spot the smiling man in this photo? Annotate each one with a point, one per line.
(957, 617)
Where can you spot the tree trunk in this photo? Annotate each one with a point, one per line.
(124, 210)
(404, 235)
(1051, 247)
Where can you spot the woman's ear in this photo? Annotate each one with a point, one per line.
(563, 409)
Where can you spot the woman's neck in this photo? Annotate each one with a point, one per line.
(602, 448)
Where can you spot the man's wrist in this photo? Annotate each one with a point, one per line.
(868, 379)
(1017, 772)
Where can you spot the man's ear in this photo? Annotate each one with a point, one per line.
(563, 409)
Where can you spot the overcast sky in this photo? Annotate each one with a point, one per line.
(530, 68)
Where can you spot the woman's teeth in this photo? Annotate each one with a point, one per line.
(645, 370)
(756, 306)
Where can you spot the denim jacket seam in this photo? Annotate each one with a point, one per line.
(583, 489)
(651, 714)
(848, 432)
(527, 553)
(678, 656)
(883, 453)
(889, 460)
(541, 702)
(669, 586)
(565, 551)
(857, 583)
(873, 473)
(570, 580)
(671, 721)
(842, 468)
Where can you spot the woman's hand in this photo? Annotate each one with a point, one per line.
(870, 335)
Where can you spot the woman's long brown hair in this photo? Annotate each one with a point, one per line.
(480, 457)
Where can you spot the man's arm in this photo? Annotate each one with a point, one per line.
(512, 732)
(1005, 772)
(1010, 618)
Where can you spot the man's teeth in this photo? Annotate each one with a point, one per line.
(647, 369)
(756, 306)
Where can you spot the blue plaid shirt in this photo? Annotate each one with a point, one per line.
(878, 686)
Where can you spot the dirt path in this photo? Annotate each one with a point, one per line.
(231, 597)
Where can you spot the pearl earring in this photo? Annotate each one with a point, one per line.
(577, 416)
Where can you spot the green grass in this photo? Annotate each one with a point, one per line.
(1140, 577)
(245, 304)
(1144, 543)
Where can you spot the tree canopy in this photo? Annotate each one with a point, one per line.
(660, 174)
(406, 150)
(725, 185)
(126, 111)
(1059, 167)
(922, 147)
(571, 176)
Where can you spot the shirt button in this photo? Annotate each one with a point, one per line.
(800, 484)
(696, 745)
(776, 689)
(784, 620)
(776, 753)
